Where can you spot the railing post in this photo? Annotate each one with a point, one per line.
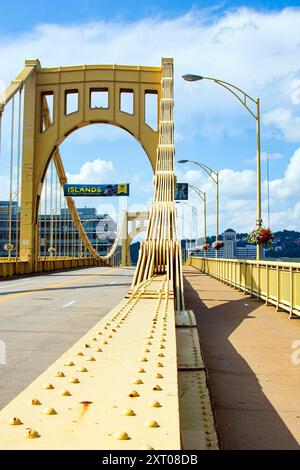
(291, 292)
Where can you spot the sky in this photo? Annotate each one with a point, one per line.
(254, 45)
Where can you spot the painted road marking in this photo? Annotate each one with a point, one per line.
(69, 304)
(112, 282)
(52, 286)
(11, 286)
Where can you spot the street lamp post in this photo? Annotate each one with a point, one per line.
(214, 175)
(194, 209)
(243, 100)
(202, 195)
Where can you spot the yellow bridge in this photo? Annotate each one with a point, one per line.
(137, 379)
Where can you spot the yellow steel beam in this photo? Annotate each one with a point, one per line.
(17, 84)
(116, 388)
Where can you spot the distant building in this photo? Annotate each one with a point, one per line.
(100, 229)
(229, 237)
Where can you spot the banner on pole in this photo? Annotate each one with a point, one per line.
(181, 192)
(102, 190)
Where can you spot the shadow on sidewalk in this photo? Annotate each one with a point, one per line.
(245, 417)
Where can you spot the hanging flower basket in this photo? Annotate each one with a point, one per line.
(205, 247)
(217, 245)
(261, 236)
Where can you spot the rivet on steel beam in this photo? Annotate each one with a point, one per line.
(148, 343)
(79, 353)
(121, 436)
(94, 339)
(160, 355)
(15, 421)
(35, 402)
(114, 331)
(162, 340)
(97, 350)
(65, 393)
(31, 434)
(69, 364)
(151, 424)
(158, 376)
(87, 346)
(104, 342)
(133, 394)
(144, 359)
(146, 447)
(162, 346)
(146, 350)
(74, 380)
(149, 337)
(90, 359)
(154, 404)
(140, 370)
(100, 333)
(50, 411)
(159, 364)
(82, 369)
(128, 412)
(48, 387)
(157, 388)
(109, 336)
(59, 374)
(137, 382)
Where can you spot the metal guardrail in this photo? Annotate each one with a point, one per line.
(278, 283)
(15, 267)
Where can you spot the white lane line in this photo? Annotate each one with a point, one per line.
(112, 282)
(69, 304)
(11, 286)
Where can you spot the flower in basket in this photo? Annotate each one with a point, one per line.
(217, 245)
(261, 236)
(205, 247)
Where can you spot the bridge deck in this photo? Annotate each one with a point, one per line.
(247, 348)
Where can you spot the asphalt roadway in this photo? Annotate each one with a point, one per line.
(42, 316)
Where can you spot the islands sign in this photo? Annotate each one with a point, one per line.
(103, 190)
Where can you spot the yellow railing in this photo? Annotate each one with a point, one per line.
(13, 267)
(277, 283)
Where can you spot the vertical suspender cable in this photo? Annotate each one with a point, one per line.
(56, 215)
(60, 235)
(45, 213)
(51, 208)
(18, 175)
(11, 178)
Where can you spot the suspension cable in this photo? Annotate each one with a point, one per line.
(11, 178)
(51, 208)
(45, 214)
(18, 174)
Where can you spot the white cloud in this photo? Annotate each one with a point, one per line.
(265, 156)
(92, 172)
(257, 50)
(238, 197)
(288, 186)
(286, 121)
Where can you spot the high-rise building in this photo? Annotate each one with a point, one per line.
(229, 237)
(57, 233)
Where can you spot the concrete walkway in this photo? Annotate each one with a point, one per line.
(247, 348)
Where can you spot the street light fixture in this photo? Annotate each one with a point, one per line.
(242, 97)
(214, 175)
(202, 195)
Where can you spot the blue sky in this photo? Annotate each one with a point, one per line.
(21, 16)
(252, 44)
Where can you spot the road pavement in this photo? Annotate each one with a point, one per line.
(42, 316)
